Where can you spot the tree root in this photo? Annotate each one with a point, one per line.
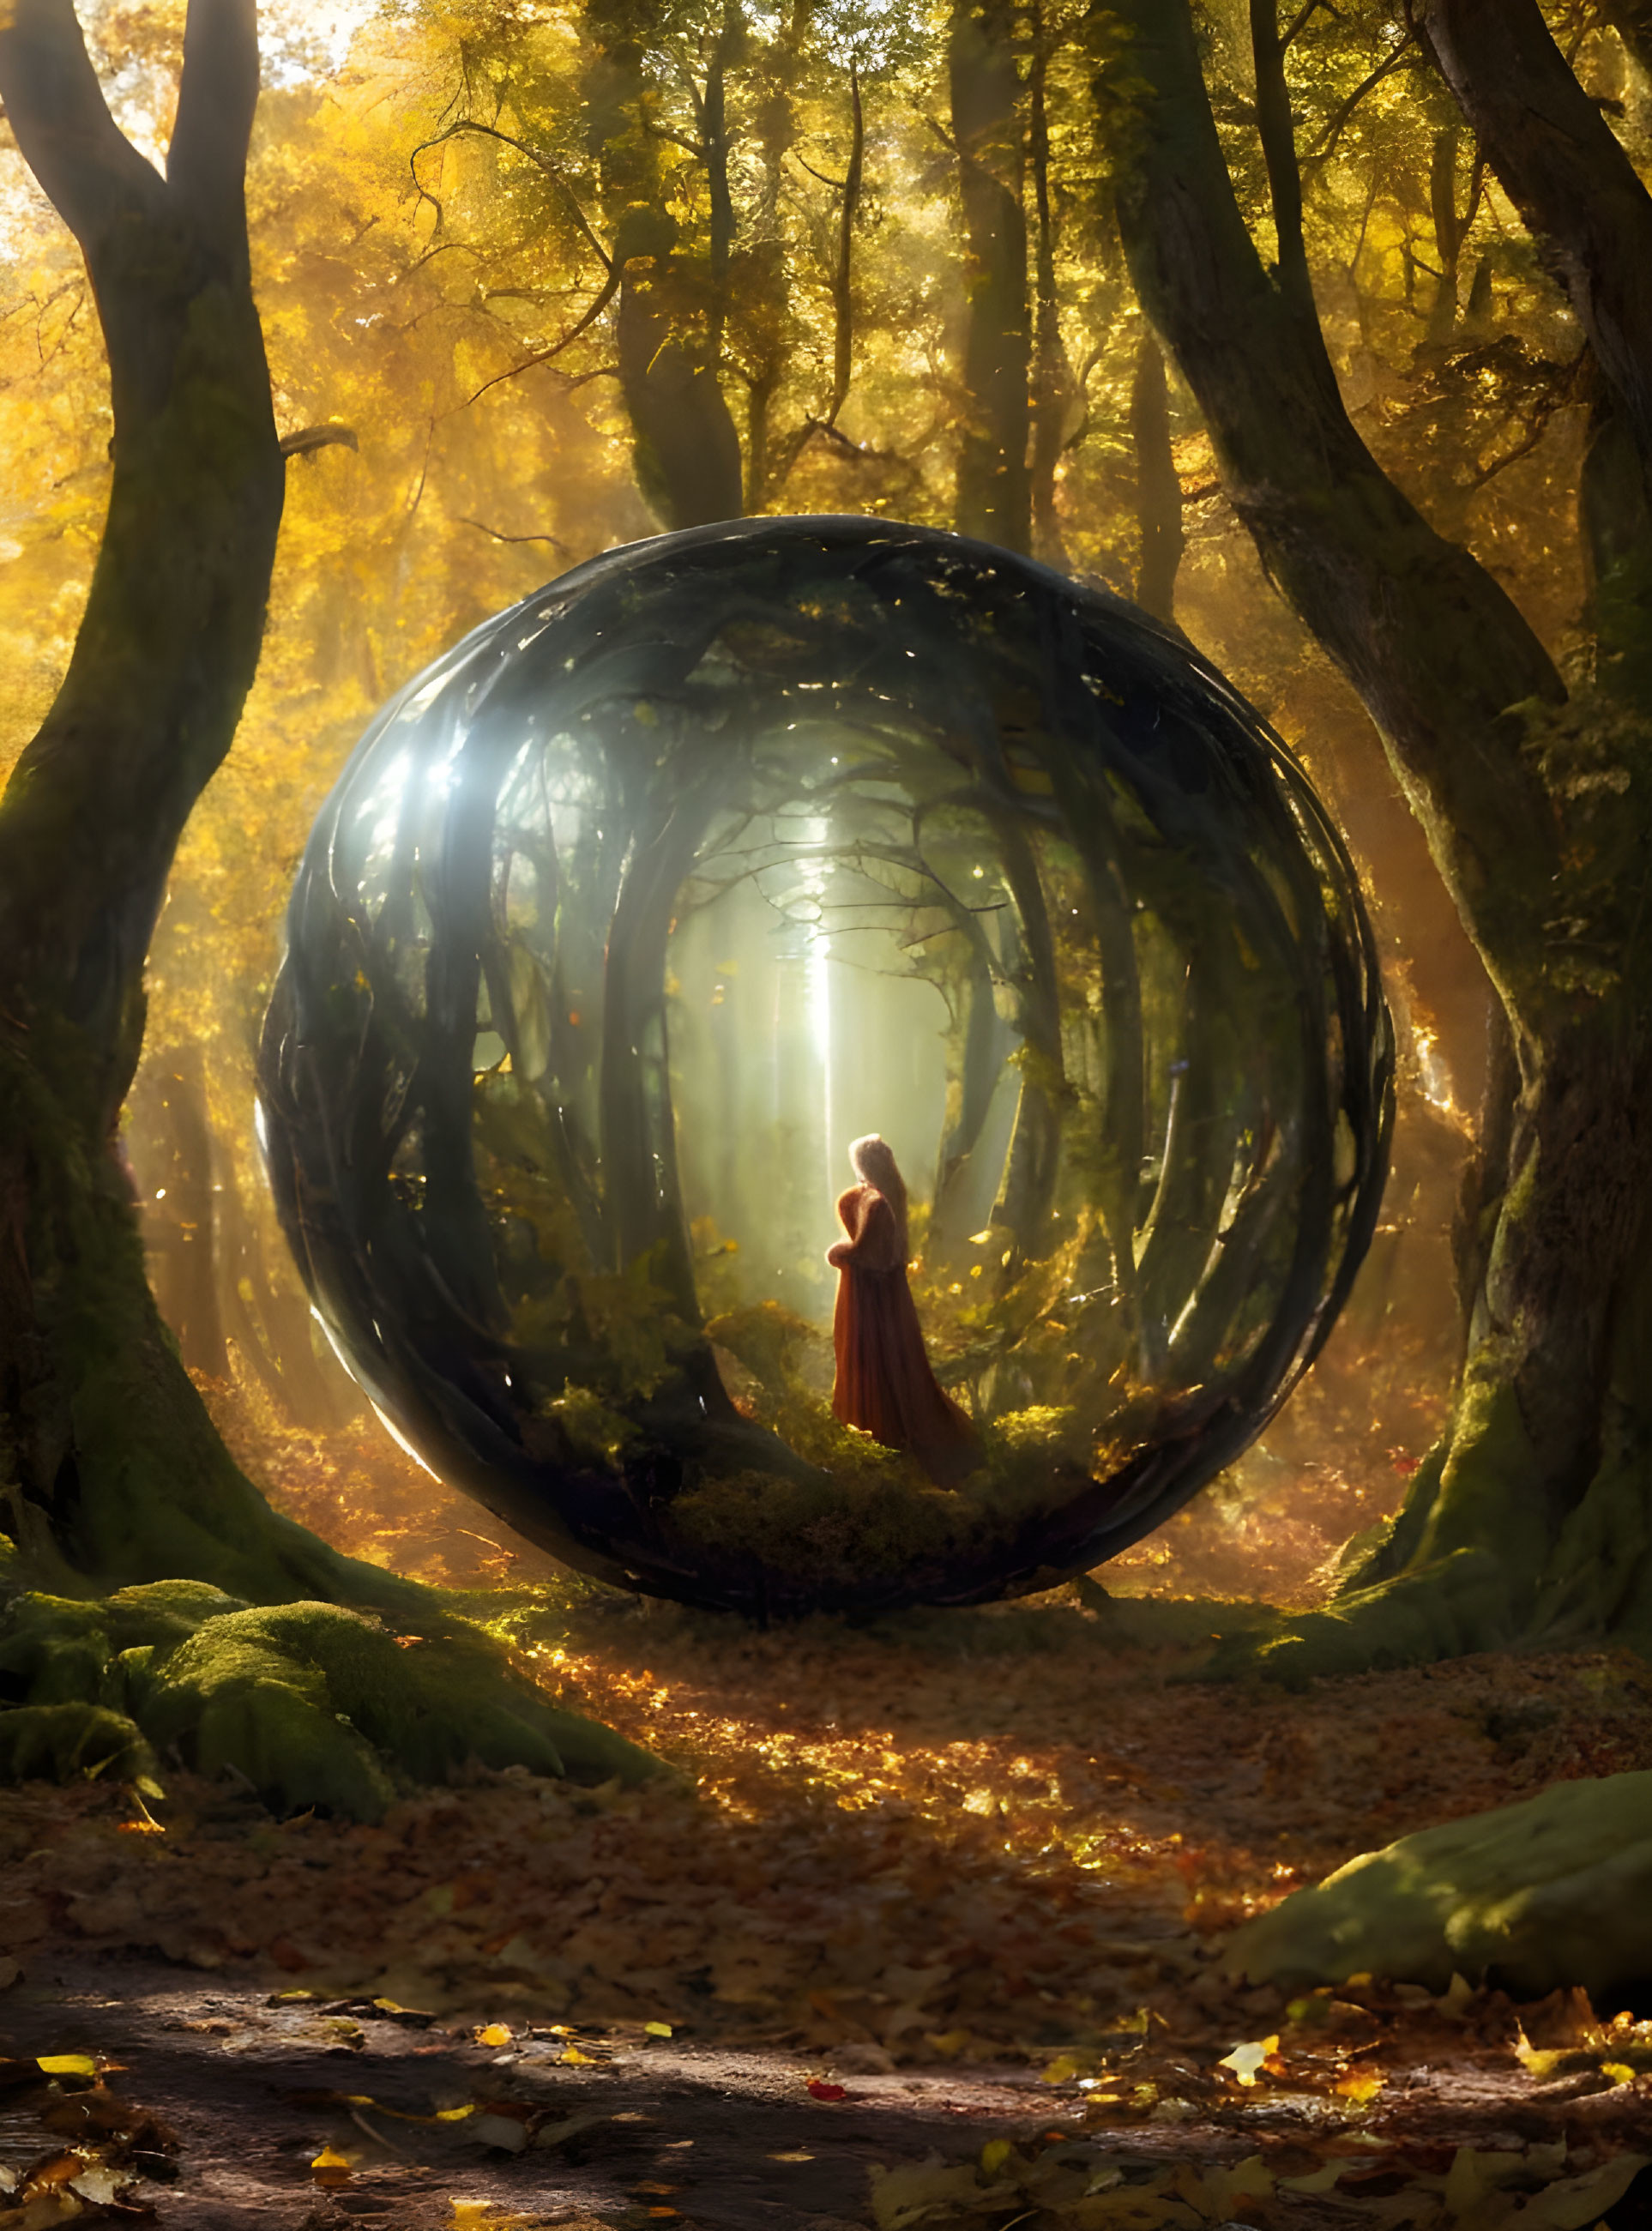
(1555, 1891)
(1460, 1604)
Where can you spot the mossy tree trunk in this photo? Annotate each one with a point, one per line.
(95, 1408)
(112, 1477)
(1534, 1511)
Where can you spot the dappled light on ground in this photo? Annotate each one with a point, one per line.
(985, 1855)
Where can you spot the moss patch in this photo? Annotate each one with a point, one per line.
(311, 1704)
(1552, 1893)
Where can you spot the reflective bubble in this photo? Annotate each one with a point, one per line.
(737, 849)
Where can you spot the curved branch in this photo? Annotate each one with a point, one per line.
(606, 294)
(1326, 146)
(482, 528)
(1566, 172)
(537, 155)
(309, 439)
(1431, 641)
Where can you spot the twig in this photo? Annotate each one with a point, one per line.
(483, 526)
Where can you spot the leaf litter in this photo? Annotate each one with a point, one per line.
(954, 1844)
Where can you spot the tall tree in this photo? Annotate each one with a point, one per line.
(1530, 1513)
(995, 495)
(111, 1473)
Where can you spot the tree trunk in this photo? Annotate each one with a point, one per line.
(95, 1403)
(1549, 1424)
(1053, 390)
(1564, 169)
(994, 487)
(686, 450)
(1158, 485)
(110, 1470)
(183, 1238)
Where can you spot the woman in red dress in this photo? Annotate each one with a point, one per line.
(884, 1383)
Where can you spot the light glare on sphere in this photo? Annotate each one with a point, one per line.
(631, 915)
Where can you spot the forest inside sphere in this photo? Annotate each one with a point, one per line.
(1294, 1865)
(625, 920)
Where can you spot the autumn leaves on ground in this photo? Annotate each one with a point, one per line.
(928, 1929)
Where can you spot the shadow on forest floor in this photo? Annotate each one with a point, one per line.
(968, 1874)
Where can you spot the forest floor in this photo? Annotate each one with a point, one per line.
(929, 1931)
(926, 1931)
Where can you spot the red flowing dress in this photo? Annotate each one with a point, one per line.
(884, 1381)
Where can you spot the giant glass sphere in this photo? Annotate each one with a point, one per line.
(733, 848)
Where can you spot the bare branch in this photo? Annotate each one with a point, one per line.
(609, 288)
(1300, 22)
(837, 185)
(676, 139)
(482, 528)
(1402, 55)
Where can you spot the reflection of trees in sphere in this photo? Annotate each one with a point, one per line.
(628, 916)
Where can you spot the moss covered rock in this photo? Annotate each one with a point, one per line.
(310, 1703)
(1551, 1892)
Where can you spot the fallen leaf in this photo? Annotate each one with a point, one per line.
(1246, 2060)
(100, 2184)
(907, 2196)
(1577, 2202)
(552, 2134)
(1535, 2063)
(330, 2167)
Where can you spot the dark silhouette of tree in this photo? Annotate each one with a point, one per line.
(1530, 1514)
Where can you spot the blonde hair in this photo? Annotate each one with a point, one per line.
(873, 1161)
